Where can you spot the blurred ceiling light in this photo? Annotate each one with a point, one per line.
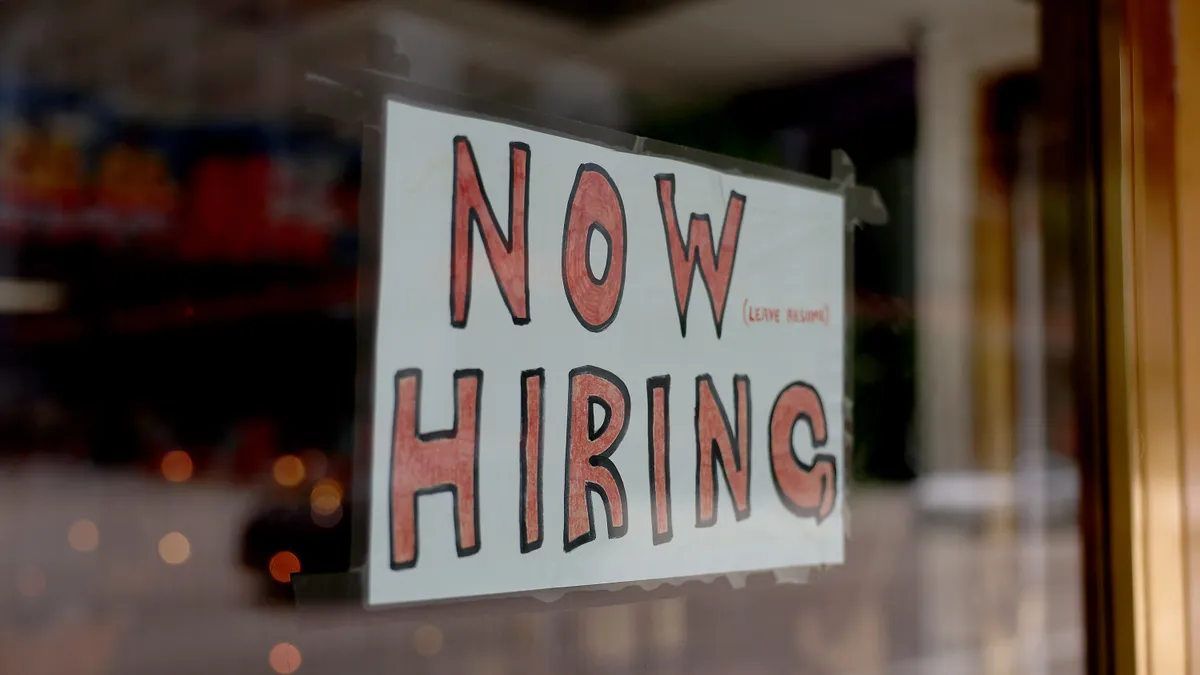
(326, 497)
(29, 296)
(283, 565)
(174, 548)
(84, 536)
(427, 640)
(284, 658)
(288, 471)
(177, 466)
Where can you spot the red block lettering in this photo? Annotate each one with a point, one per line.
(589, 448)
(699, 252)
(809, 491)
(658, 396)
(595, 207)
(715, 441)
(533, 419)
(506, 254)
(432, 462)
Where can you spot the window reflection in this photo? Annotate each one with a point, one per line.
(177, 287)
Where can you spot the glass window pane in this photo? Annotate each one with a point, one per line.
(179, 345)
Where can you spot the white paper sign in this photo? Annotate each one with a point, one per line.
(596, 367)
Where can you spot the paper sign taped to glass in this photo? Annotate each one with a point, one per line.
(596, 367)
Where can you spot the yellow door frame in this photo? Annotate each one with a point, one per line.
(1187, 143)
(1133, 199)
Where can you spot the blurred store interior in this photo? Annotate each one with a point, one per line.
(177, 324)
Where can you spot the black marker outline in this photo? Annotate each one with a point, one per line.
(818, 457)
(600, 460)
(539, 373)
(662, 382)
(441, 434)
(714, 449)
(592, 229)
(474, 222)
(593, 431)
(694, 260)
(596, 168)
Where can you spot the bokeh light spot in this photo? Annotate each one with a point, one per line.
(289, 471)
(427, 640)
(284, 658)
(83, 536)
(174, 548)
(177, 466)
(283, 565)
(326, 497)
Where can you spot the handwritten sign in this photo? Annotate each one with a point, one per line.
(594, 367)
